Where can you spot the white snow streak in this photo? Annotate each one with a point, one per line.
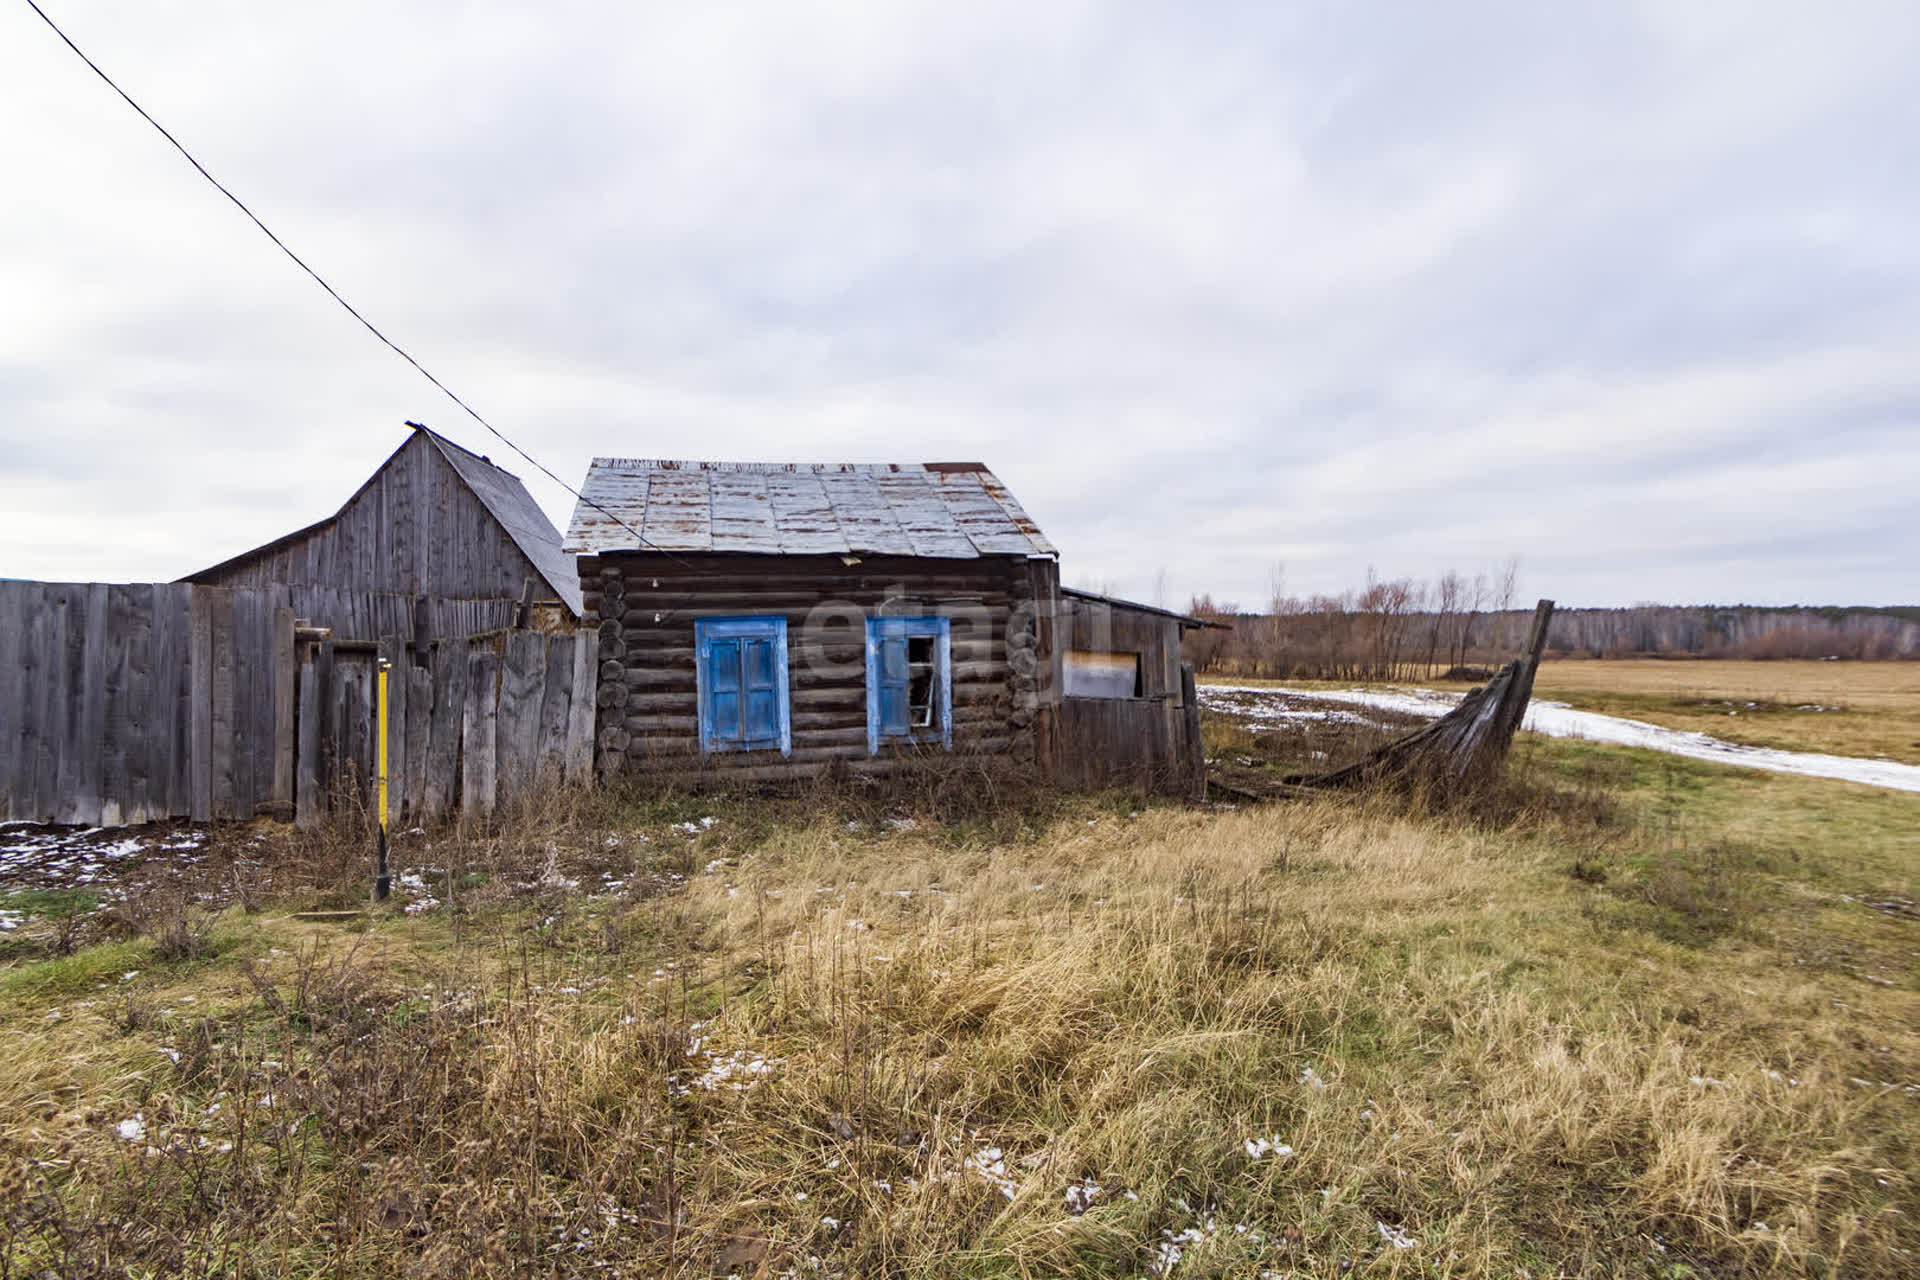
(1557, 720)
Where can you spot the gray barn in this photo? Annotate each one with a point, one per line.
(434, 520)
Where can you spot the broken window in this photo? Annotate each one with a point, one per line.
(909, 681)
(1093, 674)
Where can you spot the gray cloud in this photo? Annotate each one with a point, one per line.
(1625, 290)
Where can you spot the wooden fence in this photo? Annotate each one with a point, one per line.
(122, 704)
(470, 722)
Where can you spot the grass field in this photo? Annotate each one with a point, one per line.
(1633, 1016)
(1841, 708)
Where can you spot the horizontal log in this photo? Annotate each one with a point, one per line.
(680, 700)
(657, 723)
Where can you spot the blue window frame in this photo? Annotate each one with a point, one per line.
(742, 674)
(909, 681)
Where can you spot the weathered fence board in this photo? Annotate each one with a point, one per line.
(478, 738)
(1463, 747)
(419, 679)
(130, 702)
(284, 680)
(443, 747)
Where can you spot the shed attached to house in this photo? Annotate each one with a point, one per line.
(1128, 712)
(435, 522)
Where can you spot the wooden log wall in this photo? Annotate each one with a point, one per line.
(643, 606)
(127, 703)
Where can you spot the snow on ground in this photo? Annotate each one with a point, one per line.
(1557, 720)
(73, 857)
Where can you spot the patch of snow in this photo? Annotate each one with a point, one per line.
(1396, 1236)
(1557, 720)
(1081, 1196)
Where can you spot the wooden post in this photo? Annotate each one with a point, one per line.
(382, 883)
(393, 656)
(280, 796)
(309, 797)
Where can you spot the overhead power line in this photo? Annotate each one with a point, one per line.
(333, 293)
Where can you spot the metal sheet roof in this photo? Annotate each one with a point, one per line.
(937, 510)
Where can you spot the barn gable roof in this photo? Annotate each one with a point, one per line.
(502, 494)
(499, 491)
(936, 510)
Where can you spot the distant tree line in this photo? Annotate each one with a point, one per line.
(1403, 629)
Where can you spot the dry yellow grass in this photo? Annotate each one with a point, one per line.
(1077, 1051)
(1842, 708)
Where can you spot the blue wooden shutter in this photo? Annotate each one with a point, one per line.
(743, 684)
(722, 660)
(892, 683)
(760, 686)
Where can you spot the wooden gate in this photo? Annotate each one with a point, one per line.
(471, 722)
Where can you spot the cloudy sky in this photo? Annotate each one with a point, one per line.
(1221, 291)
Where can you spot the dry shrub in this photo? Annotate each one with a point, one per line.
(168, 916)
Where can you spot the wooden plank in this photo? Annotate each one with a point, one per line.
(34, 770)
(341, 784)
(285, 720)
(356, 723)
(262, 712)
(580, 712)
(47, 710)
(309, 797)
(131, 612)
(14, 758)
(522, 682)
(418, 732)
(393, 652)
(245, 607)
(477, 733)
(556, 707)
(163, 704)
(225, 712)
(328, 758)
(83, 761)
(200, 700)
(443, 746)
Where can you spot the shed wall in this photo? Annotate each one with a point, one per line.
(1151, 741)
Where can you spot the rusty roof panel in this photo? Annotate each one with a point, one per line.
(930, 527)
(933, 510)
(866, 519)
(679, 511)
(802, 514)
(1016, 515)
(742, 515)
